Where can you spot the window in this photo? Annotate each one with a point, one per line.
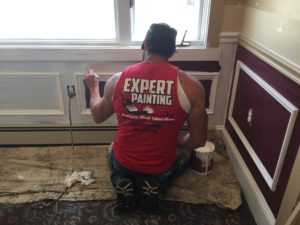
(104, 22)
(57, 19)
(184, 15)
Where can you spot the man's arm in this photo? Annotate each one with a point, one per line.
(197, 119)
(101, 107)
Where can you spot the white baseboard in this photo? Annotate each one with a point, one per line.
(61, 135)
(255, 199)
(55, 136)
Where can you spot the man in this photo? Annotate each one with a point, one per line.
(152, 100)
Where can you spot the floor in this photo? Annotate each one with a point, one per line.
(102, 212)
(87, 211)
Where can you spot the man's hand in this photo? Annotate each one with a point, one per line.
(91, 80)
(101, 107)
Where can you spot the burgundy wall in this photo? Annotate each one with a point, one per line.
(291, 91)
(207, 66)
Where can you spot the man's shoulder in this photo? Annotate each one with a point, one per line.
(188, 80)
(191, 86)
(113, 80)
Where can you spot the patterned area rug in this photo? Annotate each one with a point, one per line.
(37, 173)
(102, 213)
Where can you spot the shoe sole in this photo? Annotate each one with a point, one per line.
(150, 196)
(125, 202)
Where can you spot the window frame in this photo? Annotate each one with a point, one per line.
(123, 18)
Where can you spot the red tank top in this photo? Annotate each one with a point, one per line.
(149, 117)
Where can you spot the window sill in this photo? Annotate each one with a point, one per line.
(97, 53)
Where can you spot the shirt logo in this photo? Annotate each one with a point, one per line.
(156, 92)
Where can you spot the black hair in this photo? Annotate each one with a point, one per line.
(161, 39)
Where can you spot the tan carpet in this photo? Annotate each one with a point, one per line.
(30, 174)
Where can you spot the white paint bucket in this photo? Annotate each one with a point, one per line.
(202, 158)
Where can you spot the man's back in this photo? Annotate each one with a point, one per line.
(149, 116)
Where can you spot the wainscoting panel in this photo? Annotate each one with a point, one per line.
(264, 121)
(31, 94)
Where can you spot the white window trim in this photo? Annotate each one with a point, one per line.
(96, 53)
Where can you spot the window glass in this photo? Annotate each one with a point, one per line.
(57, 19)
(183, 15)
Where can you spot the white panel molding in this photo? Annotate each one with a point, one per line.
(285, 66)
(291, 196)
(271, 181)
(31, 75)
(228, 48)
(213, 76)
(229, 37)
(255, 199)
